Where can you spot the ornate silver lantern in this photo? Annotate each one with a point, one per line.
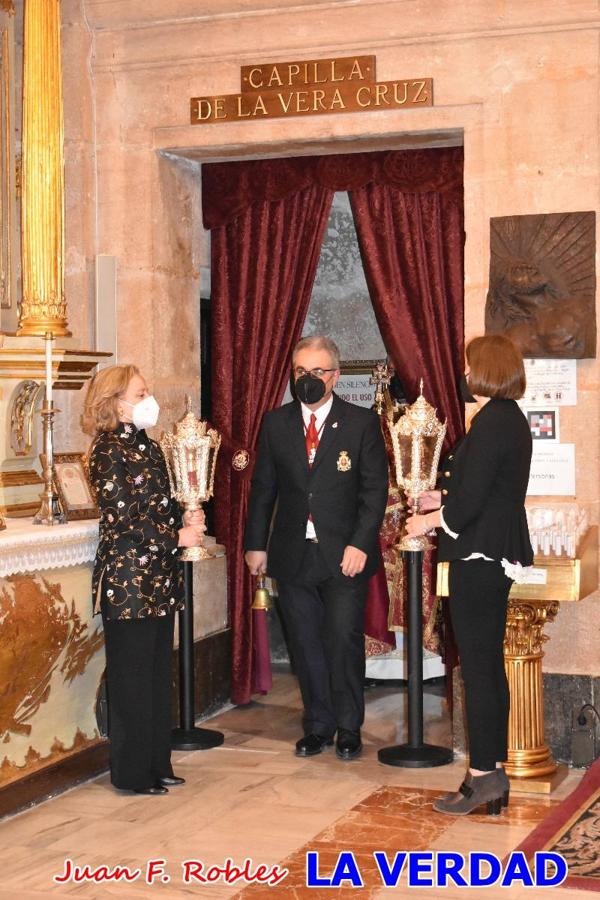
(417, 439)
(191, 453)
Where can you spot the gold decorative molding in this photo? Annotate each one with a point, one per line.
(21, 417)
(7, 174)
(43, 307)
(19, 510)
(528, 754)
(19, 478)
(70, 368)
(18, 174)
(525, 627)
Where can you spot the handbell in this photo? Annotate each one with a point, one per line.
(262, 598)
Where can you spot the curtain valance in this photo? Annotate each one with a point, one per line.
(229, 188)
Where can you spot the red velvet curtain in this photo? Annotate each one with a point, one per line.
(412, 251)
(228, 189)
(268, 219)
(263, 268)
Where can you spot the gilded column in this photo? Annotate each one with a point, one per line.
(43, 306)
(528, 753)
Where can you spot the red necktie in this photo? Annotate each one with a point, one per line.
(312, 439)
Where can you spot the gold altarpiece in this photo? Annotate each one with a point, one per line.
(9, 245)
(51, 656)
(37, 181)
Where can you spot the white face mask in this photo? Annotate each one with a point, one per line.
(145, 412)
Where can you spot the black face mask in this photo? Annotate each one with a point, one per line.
(309, 389)
(463, 388)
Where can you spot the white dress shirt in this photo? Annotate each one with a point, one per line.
(320, 414)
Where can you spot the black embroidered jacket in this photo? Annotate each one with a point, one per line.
(137, 572)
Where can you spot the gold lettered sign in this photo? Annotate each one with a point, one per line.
(311, 87)
(299, 74)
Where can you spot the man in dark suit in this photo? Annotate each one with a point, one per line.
(323, 461)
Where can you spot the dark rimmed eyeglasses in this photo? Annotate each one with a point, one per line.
(299, 371)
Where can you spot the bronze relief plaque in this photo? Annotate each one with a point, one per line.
(543, 283)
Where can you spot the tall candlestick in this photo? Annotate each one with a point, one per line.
(48, 339)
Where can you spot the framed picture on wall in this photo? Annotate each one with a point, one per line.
(73, 487)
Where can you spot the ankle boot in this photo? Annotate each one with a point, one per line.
(504, 784)
(479, 790)
(451, 796)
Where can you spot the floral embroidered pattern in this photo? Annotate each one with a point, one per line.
(137, 573)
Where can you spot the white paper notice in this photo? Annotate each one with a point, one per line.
(552, 470)
(356, 389)
(550, 381)
(534, 575)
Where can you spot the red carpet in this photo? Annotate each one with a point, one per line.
(573, 830)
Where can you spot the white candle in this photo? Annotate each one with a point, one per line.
(48, 367)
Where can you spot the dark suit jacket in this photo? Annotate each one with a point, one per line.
(137, 572)
(484, 482)
(347, 507)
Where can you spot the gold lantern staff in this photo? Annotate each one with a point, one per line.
(191, 453)
(417, 439)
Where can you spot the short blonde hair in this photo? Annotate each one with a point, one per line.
(101, 411)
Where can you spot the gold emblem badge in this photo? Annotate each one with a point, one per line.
(344, 463)
(240, 460)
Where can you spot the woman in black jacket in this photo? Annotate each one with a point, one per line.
(481, 513)
(137, 582)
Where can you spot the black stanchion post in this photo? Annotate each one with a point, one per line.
(415, 754)
(188, 737)
(415, 649)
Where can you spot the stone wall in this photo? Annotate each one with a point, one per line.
(516, 83)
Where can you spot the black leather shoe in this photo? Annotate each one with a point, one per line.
(312, 744)
(348, 744)
(155, 789)
(170, 780)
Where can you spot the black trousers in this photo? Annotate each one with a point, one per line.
(478, 602)
(324, 620)
(138, 680)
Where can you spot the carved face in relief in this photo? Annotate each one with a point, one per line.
(542, 284)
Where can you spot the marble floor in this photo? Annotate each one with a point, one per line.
(253, 799)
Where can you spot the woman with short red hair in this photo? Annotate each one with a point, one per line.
(480, 512)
